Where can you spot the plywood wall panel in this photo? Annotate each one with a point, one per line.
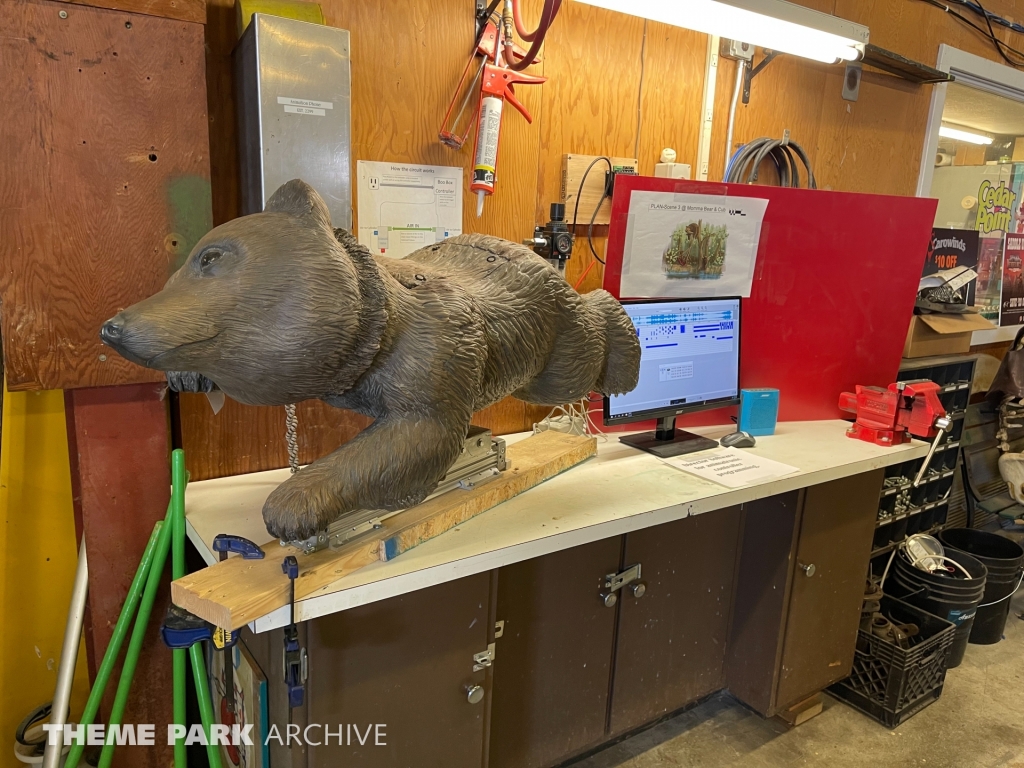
(592, 58)
(673, 89)
(183, 10)
(104, 183)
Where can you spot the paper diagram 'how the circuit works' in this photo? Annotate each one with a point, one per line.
(403, 207)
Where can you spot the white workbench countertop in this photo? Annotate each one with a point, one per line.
(619, 491)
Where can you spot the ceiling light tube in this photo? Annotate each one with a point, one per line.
(962, 135)
(774, 24)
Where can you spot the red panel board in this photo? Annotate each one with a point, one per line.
(120, 476)
(833, 291)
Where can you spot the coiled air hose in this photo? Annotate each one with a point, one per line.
(745, 163)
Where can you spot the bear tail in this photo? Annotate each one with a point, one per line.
(622, 347)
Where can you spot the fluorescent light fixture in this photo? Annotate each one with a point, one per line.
(773, 24)
(962, 135)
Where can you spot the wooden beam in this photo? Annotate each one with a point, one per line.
(118, 445)
(233, 593)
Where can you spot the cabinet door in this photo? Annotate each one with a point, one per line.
(759, 607)
(671, 642)
(551, 674)
(832, 555)
(406, 663)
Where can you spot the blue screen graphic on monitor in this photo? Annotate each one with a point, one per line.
(690, 356)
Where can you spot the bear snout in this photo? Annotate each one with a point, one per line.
(112, 331)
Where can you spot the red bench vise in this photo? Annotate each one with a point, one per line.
(891, 416)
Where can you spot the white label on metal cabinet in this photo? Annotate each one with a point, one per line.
(304, 110)
(305, 103)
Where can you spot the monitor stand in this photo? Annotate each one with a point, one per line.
(665, 442)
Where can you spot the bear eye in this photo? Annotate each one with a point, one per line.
(208, 259)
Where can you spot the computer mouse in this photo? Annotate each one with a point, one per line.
(738, 439)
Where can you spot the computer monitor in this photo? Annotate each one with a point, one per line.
(690, 361)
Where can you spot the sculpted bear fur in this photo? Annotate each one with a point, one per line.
(278, 307)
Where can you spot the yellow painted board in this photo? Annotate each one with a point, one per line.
(299, 10)
(38, 557)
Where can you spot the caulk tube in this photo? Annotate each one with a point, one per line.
(486, 149)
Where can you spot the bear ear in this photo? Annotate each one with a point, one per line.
(299, 199)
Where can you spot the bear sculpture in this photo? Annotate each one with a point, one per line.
(278, 307)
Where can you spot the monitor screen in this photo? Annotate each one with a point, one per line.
(690, 358)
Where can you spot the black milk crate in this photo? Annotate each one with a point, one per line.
(890, 684)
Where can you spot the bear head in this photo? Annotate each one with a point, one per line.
(267, 306)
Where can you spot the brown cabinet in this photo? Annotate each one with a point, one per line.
(406, 663)
(553, 665)
(833, 546)
(762, 599)
(803, 560)
(572, 672)
(670, 647)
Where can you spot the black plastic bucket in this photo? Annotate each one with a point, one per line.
(953, 598)
(1004, 560)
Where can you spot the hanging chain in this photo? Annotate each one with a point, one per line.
(291, 422)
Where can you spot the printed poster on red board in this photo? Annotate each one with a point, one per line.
(1012, 308)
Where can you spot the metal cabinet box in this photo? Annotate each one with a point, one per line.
(294, 112)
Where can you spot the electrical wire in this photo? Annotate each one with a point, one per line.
(1001, 47)
(583, 277)
(574, 417)
(576, 208)
(999, 44)
(590, 228)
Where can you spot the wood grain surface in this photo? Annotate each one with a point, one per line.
(104, 185)
(234, 592)
(183, 10)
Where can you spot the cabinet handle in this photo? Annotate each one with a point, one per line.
(638, 589)
(474, 694)
(808, 569)
(609, 599)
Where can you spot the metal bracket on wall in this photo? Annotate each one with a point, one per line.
(769, 56)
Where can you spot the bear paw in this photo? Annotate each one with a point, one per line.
(297, 510)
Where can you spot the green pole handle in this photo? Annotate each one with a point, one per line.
(205, 702)
(114, 647)
(179, 661)
(178, 482)
(131, 659)
(179, 658)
